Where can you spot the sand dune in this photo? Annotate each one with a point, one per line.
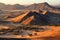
(18, 18)
(28, 20)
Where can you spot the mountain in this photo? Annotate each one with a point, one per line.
(18, 6)
(42, 6)
(13, 7)
(39, 6)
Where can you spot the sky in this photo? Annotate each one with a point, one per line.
(28, 2)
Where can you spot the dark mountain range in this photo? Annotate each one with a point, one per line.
(13, 7)
(42, 6)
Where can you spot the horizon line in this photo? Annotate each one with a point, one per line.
(25, 4)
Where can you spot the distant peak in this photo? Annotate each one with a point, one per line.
(45, 3)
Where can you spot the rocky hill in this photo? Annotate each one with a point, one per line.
(35, 6)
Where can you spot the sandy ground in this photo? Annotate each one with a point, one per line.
(52, 34)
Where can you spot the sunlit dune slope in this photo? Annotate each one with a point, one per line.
(18, 18)
(28, 20)
(44, 12)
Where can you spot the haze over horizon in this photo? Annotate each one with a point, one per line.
(28, 2)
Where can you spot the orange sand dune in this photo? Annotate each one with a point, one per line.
(44, 12)
(17, 19)
(28, 20)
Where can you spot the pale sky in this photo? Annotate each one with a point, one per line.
(27, 2)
